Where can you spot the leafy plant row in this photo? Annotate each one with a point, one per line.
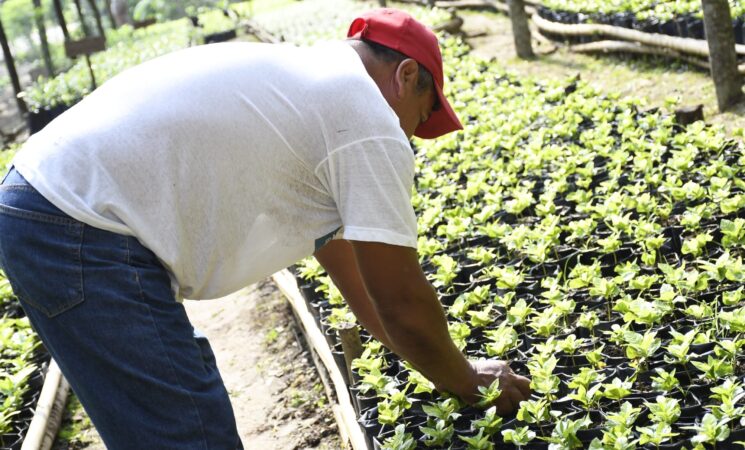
(597, 246)
(126, 48)
(641, 9)
(129, 48)
(683, 18)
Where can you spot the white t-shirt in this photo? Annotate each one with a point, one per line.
(232, 161)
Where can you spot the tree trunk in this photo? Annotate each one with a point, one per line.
(721, 39)
(121, 12)
(97, 16)
(81, 16)
(41, 26)
(521, 29)
(61, 19)
(12, 73)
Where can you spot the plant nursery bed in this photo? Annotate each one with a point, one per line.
(594, 243)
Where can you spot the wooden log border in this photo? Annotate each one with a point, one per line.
(346, 417)
(49, 411)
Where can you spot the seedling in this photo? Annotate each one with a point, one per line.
(437, 434)
(656, 434)
(625, 418)
(710, 430)
(520, 436)
(665, 381)
(490, 423)
(401, 440)
(482, 317)
(501, 340)
(518, 313)
(639, 348)
(489, 394)
(479, 442)
(617, 389)
(543, 380)
(714, 369)
(733, 232)
(446, 270)
(664, 410)
(459, 332)
(446, 410)
(564, 435)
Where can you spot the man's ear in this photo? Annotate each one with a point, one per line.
(407, 76)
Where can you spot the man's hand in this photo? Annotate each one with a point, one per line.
(387, 291)
(515, 388)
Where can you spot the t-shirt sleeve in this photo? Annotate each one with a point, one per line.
(371, 182)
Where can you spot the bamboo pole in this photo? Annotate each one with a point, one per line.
(61, 19)
(110, 15)
(81, 16)
(97, 17)
(351, 345)
(41, 27)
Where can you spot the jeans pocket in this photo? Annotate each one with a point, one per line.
(41, 256)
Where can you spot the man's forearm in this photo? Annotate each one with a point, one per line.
(418, 331)
(412, 317)
(391, 297)
(338, 260)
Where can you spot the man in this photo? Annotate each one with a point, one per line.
(200, 172)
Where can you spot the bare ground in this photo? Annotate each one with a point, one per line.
(277, 395)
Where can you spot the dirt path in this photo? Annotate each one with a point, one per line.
(655, 79)
(277, 396)
(276, 393)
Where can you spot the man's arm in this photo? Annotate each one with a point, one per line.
(388, 292)
(337, 258)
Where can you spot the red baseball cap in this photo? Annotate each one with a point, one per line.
(399, 31)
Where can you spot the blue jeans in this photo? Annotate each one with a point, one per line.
(103, 306)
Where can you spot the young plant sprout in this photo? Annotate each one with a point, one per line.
(437, 434)
(490, 423)
(519, 436)
(401, 440)
(710, 430)
(489, 394)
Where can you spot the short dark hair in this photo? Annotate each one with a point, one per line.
(387, 54)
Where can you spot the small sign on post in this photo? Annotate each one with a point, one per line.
(86, 47)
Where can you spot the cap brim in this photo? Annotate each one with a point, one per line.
(442, 121)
